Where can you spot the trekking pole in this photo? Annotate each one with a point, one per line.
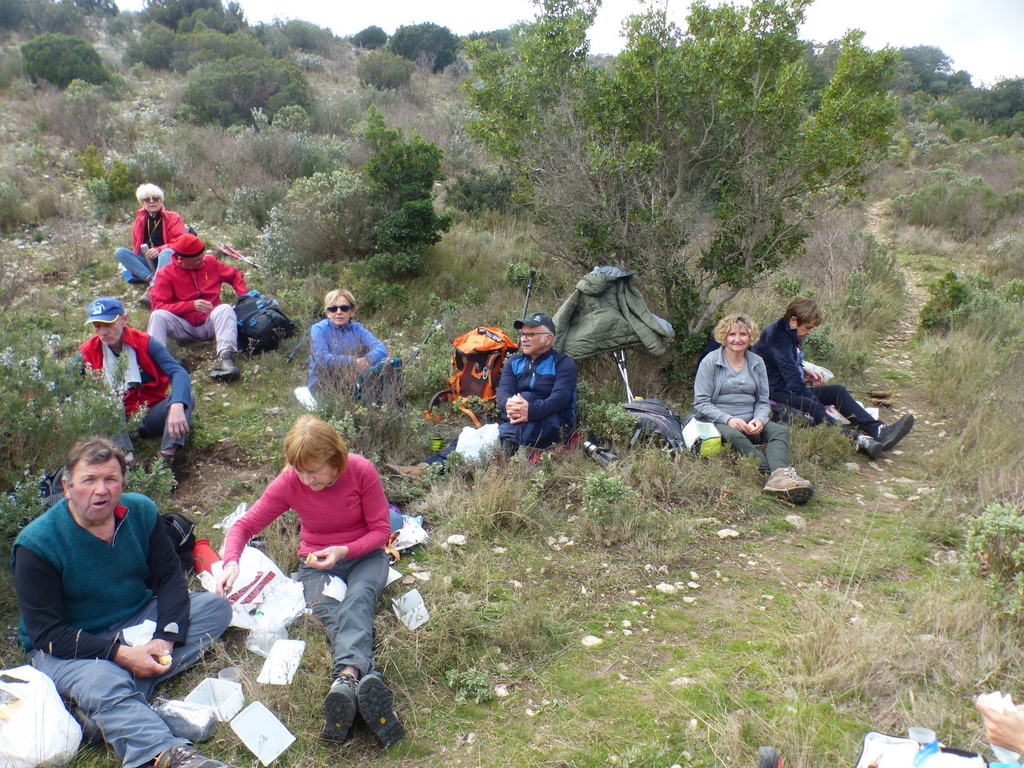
(227, 250)
(416, 350)
(296, 348)
(529, 290)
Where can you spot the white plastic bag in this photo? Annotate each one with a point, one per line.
(35, 727)
(262, 596)
(473, 442)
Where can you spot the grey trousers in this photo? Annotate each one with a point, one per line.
(349, 623)
(221, 324)
(118, 701)
(774, 437)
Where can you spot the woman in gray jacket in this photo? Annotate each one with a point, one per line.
(731, 391)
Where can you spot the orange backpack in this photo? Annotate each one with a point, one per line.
(476, 368)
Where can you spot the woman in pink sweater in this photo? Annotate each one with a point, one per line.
(345, 524)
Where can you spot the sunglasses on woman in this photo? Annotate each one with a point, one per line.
(340, 308)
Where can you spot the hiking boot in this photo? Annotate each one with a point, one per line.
(869, 446)
(186, 756)
(145, 302)
(377, 708)
(412, 471)
(340, 708)
(785, 483)
(891, 434)
(224, 369)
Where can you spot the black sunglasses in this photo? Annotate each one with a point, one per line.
(340, 308)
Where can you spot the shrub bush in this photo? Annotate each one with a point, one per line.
(10, 67)
(371, 38)
(13, 212)
(207, 45)
(12, 13)
(995, 551)
(966, 208)
(481, 191)
(45, 404)
(324, 218)
(59, 59)
(156, 47)
(226, 92)
(949, 299)
(438, 44)
(86, 116)
(383, 70)
(304, 36)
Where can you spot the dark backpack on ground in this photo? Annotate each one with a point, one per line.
(657, 419)
(182, 533)
(261, 323)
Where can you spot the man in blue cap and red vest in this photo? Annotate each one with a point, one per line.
(140, 369)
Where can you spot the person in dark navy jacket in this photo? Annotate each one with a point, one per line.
(537, 389)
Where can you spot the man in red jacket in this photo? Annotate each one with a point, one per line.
(187, 305)
(140, 369)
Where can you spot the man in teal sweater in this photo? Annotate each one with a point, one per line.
(96, 563)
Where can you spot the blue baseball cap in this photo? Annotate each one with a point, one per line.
(104, 310)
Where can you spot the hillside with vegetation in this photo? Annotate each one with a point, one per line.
(731, 167)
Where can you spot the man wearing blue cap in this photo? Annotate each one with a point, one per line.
(140, 369)
(537, 389)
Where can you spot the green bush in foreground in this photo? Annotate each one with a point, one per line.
(59, 59)
(995, 551)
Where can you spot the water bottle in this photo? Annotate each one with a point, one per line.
(928, 745)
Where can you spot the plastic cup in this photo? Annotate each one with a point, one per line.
(921, 735)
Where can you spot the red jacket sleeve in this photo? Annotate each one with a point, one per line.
(174, 227)
(139, 230)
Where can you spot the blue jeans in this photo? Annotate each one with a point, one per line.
(118, 701)
(142, 267)
(349, 623)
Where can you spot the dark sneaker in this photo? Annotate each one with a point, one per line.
(377, 708)
(891, 434)
(784, 483)
(225, 369)
(186, 756)
(340, 708)
(869, 446)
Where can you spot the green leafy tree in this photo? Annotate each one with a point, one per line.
(227, 92)
(401, 173)
(383, 70)
(439, 45)
(304, 36)
(59, 59)
(370, 38)
(698, 160)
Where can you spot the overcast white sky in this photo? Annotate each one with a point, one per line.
(985, 37)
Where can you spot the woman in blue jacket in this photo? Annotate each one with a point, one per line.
(340, 348)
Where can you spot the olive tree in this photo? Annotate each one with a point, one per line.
(698, 158)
